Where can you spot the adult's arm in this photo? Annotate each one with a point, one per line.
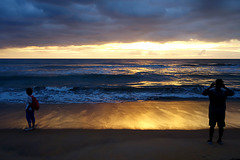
(206, 91)
(229, 91)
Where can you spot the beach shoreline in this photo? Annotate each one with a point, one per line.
(130, 130)
(143, 115)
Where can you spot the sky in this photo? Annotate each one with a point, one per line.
(120, 29)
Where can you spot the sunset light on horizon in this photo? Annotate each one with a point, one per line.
(171, 50)
(145, 29)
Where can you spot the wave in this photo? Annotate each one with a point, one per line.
(94, 81)
(100, 66)
(58, 95)
(81, 80)
(209, 64)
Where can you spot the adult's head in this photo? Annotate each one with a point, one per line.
(219, 83)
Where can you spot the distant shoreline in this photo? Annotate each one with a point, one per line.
(229, 99)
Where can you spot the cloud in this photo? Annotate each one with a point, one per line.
(131, 9)
(203, 52)
(77, 22)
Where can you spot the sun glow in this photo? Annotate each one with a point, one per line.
(177, 45)
(175, 49)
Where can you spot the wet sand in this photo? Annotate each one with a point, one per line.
(160, 115)
(133, 130)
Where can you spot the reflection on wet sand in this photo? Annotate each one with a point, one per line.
(160, 115)
(132, 115)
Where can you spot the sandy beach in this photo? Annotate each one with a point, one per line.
(71, 144)
(132, 130)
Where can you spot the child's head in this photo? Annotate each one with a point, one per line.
(29, 91)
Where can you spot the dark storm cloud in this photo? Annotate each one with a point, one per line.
(76, 22)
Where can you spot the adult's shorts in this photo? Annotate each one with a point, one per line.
(217, 118)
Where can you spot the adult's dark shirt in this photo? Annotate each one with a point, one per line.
(217, 99)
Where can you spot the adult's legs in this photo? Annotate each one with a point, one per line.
(221, 125)
(221, 130)
(212, 124)
(211, 131)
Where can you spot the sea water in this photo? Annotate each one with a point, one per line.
(58, 81)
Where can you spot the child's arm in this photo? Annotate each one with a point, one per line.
(28, 102)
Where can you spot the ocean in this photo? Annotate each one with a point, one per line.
(61, 81)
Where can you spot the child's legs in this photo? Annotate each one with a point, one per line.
(28, 117)
(33, 118)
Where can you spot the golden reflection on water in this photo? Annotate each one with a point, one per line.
(151, 83)
(173, 82)
(171, 75)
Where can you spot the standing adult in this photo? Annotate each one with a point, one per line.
(217, 93)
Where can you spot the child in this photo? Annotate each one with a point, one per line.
(29, 111)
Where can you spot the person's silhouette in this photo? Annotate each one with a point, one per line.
(217, 107)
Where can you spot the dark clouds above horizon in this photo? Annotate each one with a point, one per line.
(77, 22)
